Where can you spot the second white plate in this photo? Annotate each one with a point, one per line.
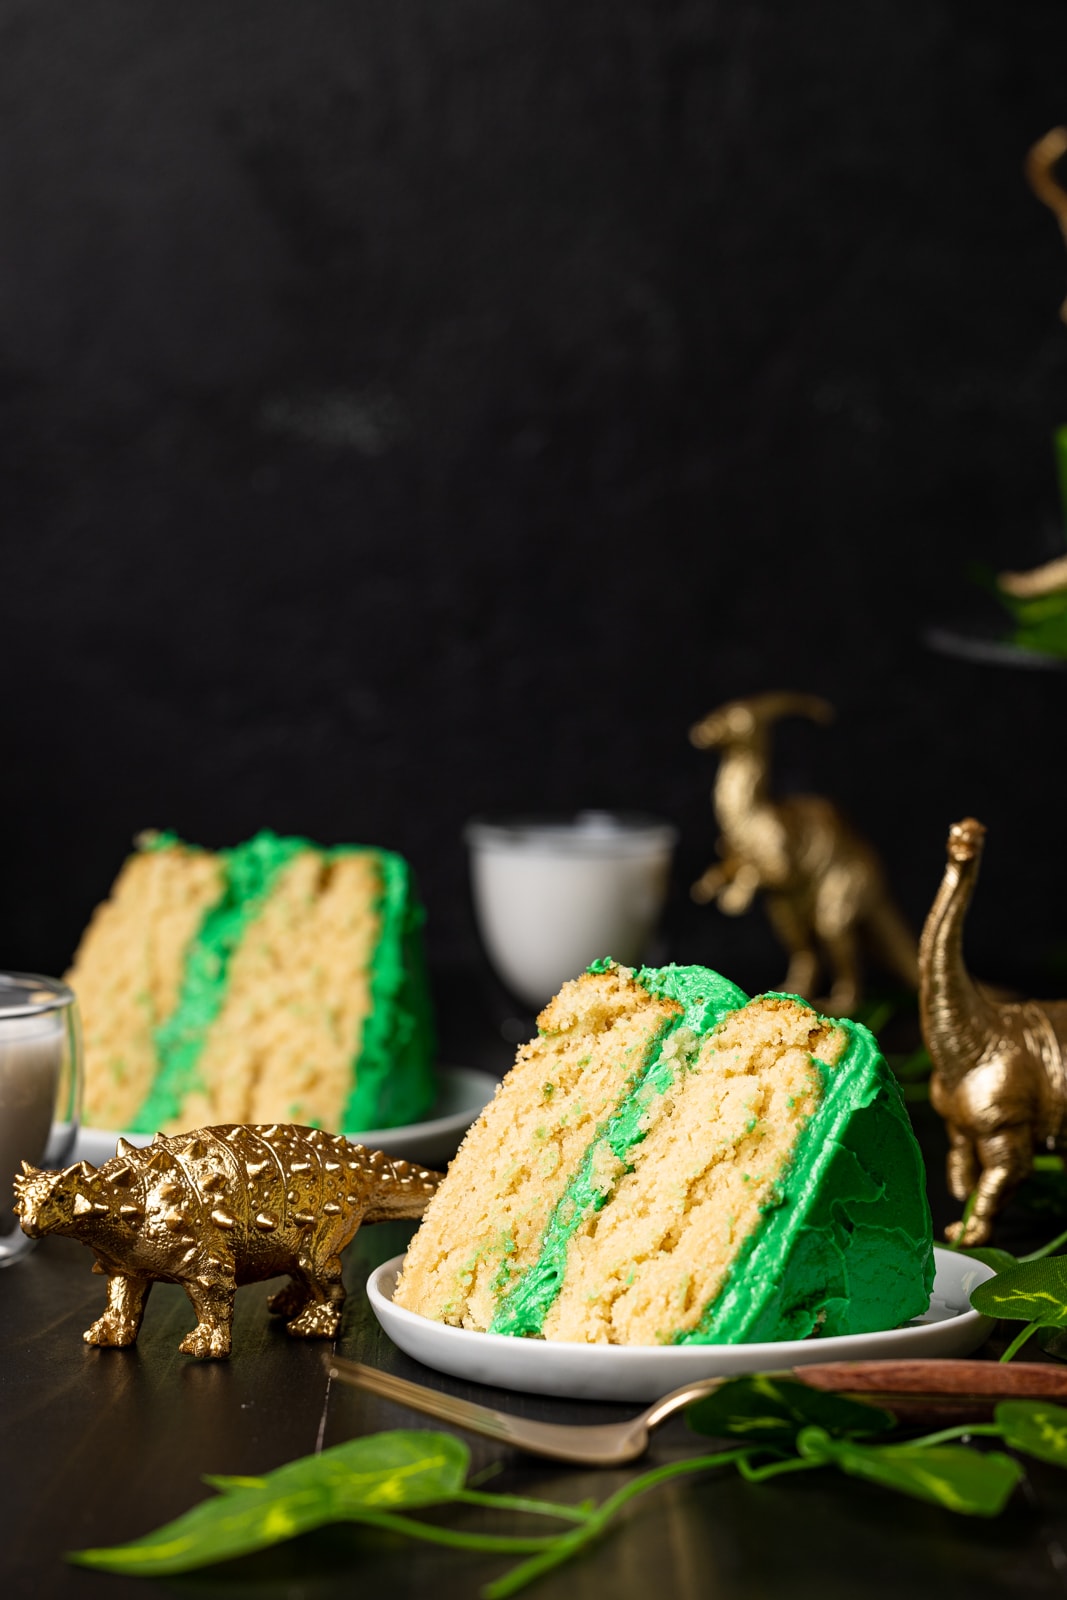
(461, 1094)
(644, 1372)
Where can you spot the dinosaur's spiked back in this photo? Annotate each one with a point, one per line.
(218, 1207)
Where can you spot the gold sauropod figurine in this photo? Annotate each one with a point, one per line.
(1000, 1079)
(824, 885)
(219, 1207)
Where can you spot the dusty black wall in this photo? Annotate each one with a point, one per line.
(408, 409)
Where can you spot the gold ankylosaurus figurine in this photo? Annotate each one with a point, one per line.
(219, 1207)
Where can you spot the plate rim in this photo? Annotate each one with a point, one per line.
(427, 1128)
(621, 1356)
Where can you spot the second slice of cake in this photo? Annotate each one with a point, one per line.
(669, 1162)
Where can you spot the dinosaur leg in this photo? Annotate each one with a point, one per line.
(121, 1321)
(290, 1300)
(711, 880)
(212, 1300)
(893, 941)
(794, 932)
(737, 895)
(837, 906)
(962, 1164)
(320, 1268)
(843, 958)
(1006, 1158)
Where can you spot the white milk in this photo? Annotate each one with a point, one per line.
(38, 1091)
(551, 897)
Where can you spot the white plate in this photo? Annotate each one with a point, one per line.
(644, 1372)
(461, 1094)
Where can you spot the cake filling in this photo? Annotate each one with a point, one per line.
(250, 873)
(595, 1042)
(128, 978)
(848, 1227)
(704, 998)
(714, 1151)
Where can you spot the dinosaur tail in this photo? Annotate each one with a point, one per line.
(894, 942)
(399, 1188)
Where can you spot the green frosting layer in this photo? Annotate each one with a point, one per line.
(849, 1232)
(705, 998)
(395, 1081)
(395, 1076)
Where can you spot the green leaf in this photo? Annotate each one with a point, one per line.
(1036, 1427)
(772, 1411)
(1034, 1291)
(963, 1480)
(383, 1473)
(999, 1260)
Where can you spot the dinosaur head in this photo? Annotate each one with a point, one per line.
(53, 1202)
(965, 840)
(744, 722)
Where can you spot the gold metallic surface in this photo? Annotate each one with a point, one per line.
(219, 1207)
(1051, 578)
(825, 889)
(1042, 160)
(1000, 1075)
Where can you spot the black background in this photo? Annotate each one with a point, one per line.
(411, 409)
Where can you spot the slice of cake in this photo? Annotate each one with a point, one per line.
(668, 1162)
(274, 982)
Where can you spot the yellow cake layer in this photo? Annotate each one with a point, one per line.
(642, 1270)
(486, 1220)
(127, 971)
(296, 1000)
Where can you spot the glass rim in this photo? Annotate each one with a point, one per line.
(600, 829)
(39, 994)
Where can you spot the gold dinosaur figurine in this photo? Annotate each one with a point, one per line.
(1036, 582)
(1042, 162)
(1041, 167)
(1000, 1078)
(824, 885)
(219, 1207)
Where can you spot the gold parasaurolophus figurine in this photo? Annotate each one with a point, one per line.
(1000, 1078)
(219, 1207)
(825, 889)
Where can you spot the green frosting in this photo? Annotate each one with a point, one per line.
(395, 1079)
(705, 998)
(848, 1233)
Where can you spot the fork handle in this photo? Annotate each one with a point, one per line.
(1018, 1380)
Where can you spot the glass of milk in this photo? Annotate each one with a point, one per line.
(40, 1087)
(551, 896)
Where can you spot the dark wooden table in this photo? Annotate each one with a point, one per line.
(99, 1446)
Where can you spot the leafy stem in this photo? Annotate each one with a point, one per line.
(968, 1212)
(1047, 1249)
(1019, 1340)
(430, 1533)
(773, 1469)
(566, 1545)
(518, 1502)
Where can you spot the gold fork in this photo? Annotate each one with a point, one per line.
(963, 1390)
